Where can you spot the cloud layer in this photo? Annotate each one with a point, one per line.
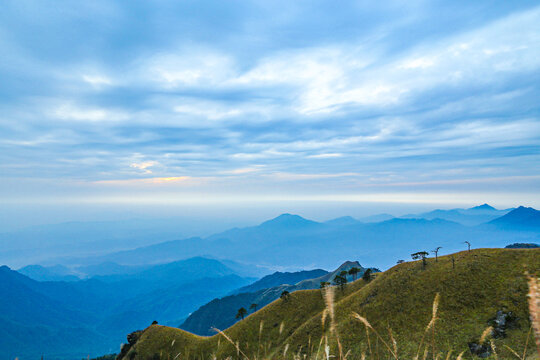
(305, 98)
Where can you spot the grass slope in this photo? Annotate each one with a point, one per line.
(482, 282)
(221, 313)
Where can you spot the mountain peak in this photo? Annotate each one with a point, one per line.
(483, 207)
(524, 217)
(288, 220)
(347, 265)
(523, 211)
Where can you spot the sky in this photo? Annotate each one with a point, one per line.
(211, 104)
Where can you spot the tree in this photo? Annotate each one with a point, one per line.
(253, 307)
(341, 280)
(468, 245)
(354, 272)
(324, 284)
(367, 275)
(421, 255)
(285, 295)
(400, 261)
(436, 252)
(241, 313)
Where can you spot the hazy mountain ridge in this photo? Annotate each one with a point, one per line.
(102, 310)
(77, 239)
(26, 311)
(277, 242)
(522, 218)
(469, 217)
(50, 273)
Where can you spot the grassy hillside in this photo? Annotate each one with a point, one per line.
(481, 283)
(221, 313)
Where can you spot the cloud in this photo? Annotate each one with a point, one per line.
(91, 114)
(188, 68)
(148, 181)
(289, 96)
(144, 166)
(325, 156)
(247, 170)
(97, 80)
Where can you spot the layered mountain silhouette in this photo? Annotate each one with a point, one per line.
(73, 319)
(290, 241)
(33, 318)
(470, 217)
(49, 273)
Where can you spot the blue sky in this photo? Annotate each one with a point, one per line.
(184, 102)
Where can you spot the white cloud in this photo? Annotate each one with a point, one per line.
(154, 181)
(144, 166)
(90, 114)
(417, 63)
(209, 110)
(188, 67)
(97, 80)
(246, 170)
(325, 156)
(312, 108)
(486, 134)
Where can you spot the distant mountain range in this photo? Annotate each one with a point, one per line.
(49, 273)
(522, 218)
(292, 242)
(36, 244)
(31, 320)
(221, 313)
(74, 319)
(470, 217)
(55, 244)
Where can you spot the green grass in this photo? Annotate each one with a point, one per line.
(482, 282)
